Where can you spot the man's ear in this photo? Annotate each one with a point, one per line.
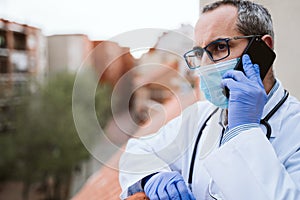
(268, 40)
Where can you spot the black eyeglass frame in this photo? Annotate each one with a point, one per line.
(216, 41)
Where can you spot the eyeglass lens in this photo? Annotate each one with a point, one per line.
(217, 50)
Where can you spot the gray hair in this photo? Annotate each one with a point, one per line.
(253, 19)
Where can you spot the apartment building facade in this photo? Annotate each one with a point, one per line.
(23, 55)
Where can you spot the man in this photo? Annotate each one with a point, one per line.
(230, 157)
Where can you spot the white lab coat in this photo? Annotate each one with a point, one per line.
(248, 167)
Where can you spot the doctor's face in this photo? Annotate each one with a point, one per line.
(219, 24)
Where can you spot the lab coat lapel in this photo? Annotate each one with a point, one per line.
(275, 120)
(211, 136)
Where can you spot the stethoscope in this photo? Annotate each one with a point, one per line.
(263, 121)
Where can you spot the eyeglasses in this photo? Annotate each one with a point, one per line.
(216, 51)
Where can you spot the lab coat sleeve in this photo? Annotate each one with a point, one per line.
(154, 153)
(137, 162)
(247, 168)
(162, 151)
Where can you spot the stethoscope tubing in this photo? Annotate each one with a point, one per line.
(263, 121)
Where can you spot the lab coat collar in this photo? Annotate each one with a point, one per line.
(275, 120)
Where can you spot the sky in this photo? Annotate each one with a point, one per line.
(100, 19)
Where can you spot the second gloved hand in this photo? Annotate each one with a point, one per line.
(167, 185)
(247, 94)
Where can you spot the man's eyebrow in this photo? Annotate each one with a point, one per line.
(219, 38)
(196, 47)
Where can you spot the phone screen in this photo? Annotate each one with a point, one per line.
(260, 53)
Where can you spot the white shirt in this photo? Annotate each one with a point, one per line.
(248, 166)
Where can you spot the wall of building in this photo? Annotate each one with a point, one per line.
(21, 49)
(287, 30)
(68, 52)
(22, 57)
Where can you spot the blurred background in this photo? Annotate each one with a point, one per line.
(43, 44)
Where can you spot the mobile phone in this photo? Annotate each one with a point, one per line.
(260, 53)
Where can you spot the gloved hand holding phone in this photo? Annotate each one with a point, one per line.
(247, 94)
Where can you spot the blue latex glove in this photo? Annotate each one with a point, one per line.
(167, 185)
(247, 94)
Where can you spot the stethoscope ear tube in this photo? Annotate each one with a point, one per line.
(191, 171)
(265, 120)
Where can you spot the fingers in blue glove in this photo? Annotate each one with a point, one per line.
(167, 185)
(235, 75)
(172, 191)
(184, 191)
(247, 94)
(251, 70)
(232, 79)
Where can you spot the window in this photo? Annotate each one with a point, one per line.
(3, 43)
(3, 64)
(19, 41)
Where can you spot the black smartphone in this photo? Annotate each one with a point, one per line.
(260, 53)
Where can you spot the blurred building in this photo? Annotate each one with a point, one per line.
(23, 61)
(23, 55)
(162, 74)
(111, 60)
(68, 52)
(111, 63)
(161, 89)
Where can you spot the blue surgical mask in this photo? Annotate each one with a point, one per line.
(210, 81)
